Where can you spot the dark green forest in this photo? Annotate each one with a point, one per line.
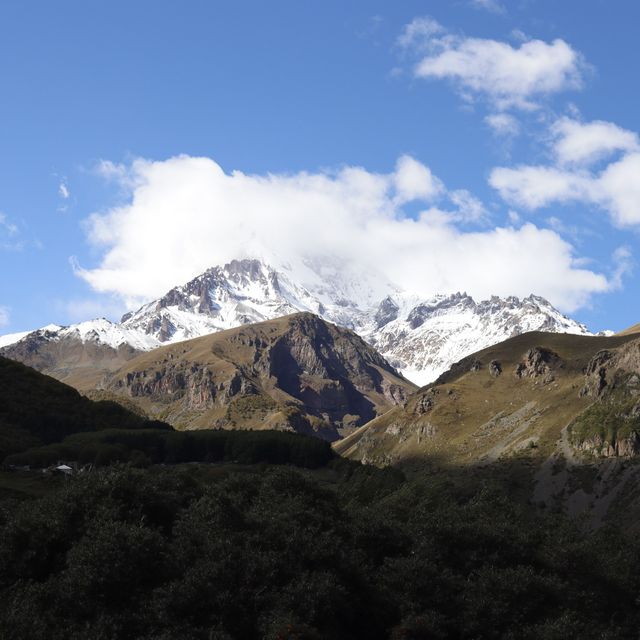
(345, 551)
(210, 535)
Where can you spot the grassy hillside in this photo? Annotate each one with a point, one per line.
(79, 364)
(476, 412)
(43, 421)
(630, 330)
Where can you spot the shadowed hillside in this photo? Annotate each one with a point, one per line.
(36, 409)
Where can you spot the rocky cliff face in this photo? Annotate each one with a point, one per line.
(298, 370)
(610, 427)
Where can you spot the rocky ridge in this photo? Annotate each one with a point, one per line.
(421, 338)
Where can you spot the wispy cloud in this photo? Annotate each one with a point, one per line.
(5, 316)
(576, 146)
(503, 124)
(9, 235)
(8, 227)
(63, 190)
(492, 6)
(79, 309)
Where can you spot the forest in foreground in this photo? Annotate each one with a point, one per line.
(229, 551)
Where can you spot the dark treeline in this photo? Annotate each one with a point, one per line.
(143, 447)
(36, 409)
(174, 553)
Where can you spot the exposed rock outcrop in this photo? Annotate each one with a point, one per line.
(596, 374)
(495, 368)
(539, 362)
(599, 447)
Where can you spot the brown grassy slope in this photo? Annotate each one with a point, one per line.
(297, 372)
(472, 416)
(630, 330)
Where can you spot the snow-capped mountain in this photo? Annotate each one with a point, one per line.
(240, 292)
(421, 338)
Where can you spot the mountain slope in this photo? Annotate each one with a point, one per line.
(79, 355)
(421, 338)
(297, 373)
(564, 408)
(537, 379)
(630, 330)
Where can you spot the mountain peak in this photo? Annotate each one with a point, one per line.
(421, 336)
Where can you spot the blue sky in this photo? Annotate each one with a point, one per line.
(506, 131)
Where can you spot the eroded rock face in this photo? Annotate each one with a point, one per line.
(612, 380)
(197, 385)
(538, 362)
(596, 374)
(424, 405)
(476, 365)
(626, 447)
(395, 393)
(613, 370)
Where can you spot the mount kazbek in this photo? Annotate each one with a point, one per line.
(421, 337)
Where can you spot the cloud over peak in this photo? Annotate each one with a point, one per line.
(186, 214)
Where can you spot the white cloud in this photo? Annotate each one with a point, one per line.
(468, 207)
(509, 76)
(186, 214)
(583, 143)
(4, 316)
(7, 226)
(624, 263)
(418, 31)
(63, 191)
(534, 187)
(413, 181)
(575, 145)
(619, 190)
(488, 5)
(503, 124)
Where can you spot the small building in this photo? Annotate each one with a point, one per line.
(64, 469)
